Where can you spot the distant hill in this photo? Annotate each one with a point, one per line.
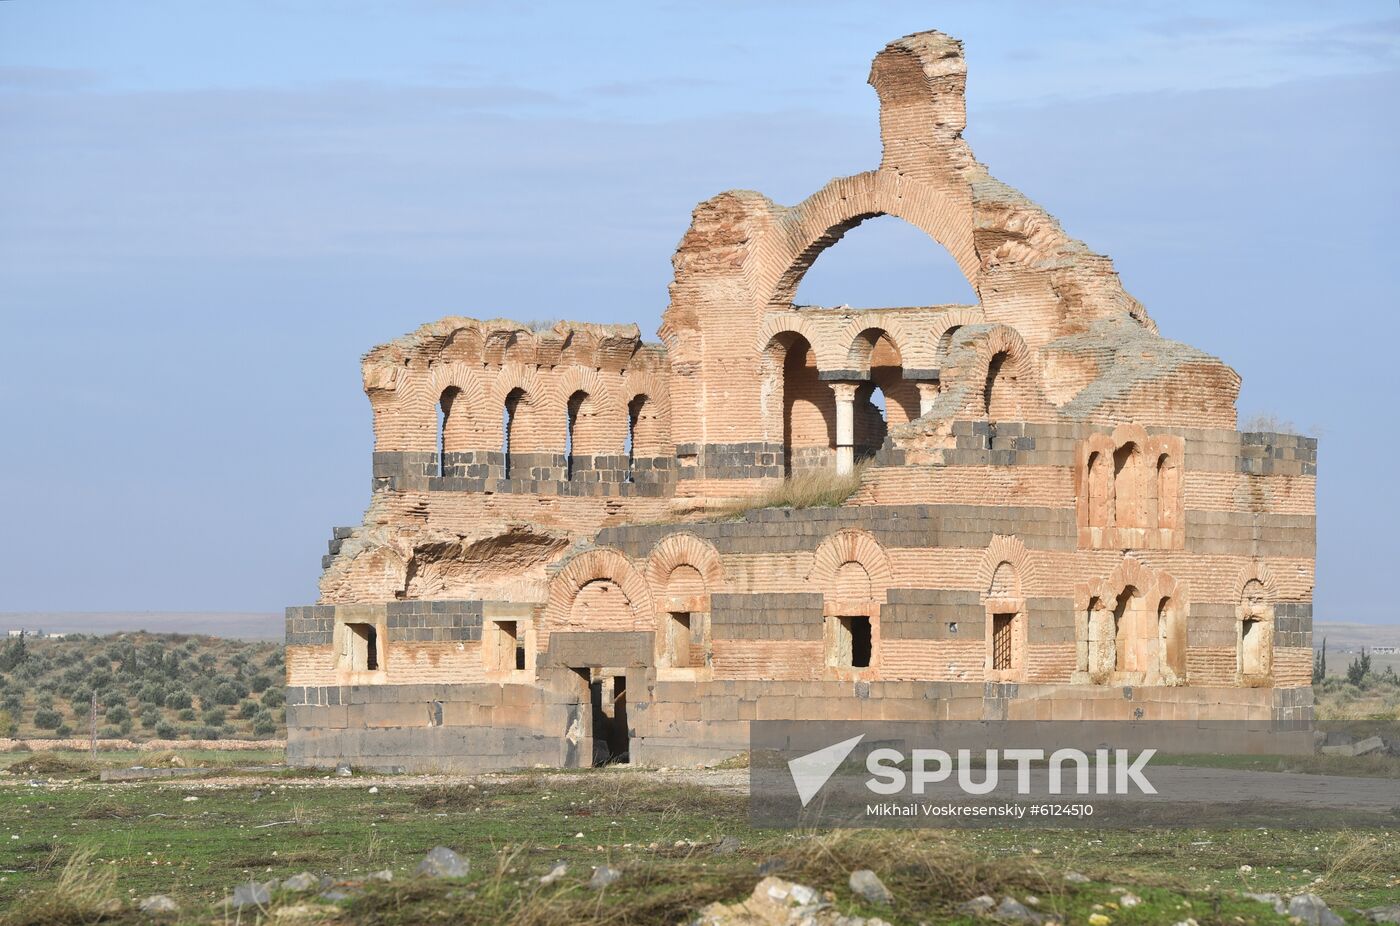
(236, 625)
(1347, 637)
(148, 686)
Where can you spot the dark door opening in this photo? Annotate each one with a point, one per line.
(611, 739)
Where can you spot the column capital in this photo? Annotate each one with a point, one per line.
(845, 390)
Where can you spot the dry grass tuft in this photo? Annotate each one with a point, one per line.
(813, 488)
(85, 892)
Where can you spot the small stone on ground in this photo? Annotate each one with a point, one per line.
(868, 885)
(442, 862)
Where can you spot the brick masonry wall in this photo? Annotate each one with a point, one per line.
(983, 493)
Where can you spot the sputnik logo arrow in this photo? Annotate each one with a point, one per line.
(812, 771)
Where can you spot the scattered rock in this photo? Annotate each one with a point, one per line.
(603, 876)
(555, 873)
(1368, 745)
(1272, 900)
(1099, 919)
(978, 906)
(336, 895)
(252, 894)
(1074, 877)
(304, 911)
(775, 901)
(343, 770)
(158, 905)
(374, 789)
(1390, 914)
(442, 862)
(727, 845)
(1312, 910)
(1013, 911)
(301, 883)
(1129, 900)
(868, 886)
(385, 876)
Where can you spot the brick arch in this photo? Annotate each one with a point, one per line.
(953, 318)
(514, 376)
(685, 549)
(1256, 572)
(970, 373)
(809, 228)
(858, 349)
(465, 428)
(1008, 550)
(851, 546)
(463, 344)
(775, 325)
(506, 343)
(597, 564)
(597, 425)
(443, 376)
(534, 428)
(653, 432)
(580, 346)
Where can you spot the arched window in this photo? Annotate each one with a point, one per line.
(1171, 641)
(1127, 483)
(1168, 491)
(1096, 477)
(572, 409)
(510, 414)
(989, 389)
(1128, 636)
(634, 417)
(451, 429)
(1255, 647)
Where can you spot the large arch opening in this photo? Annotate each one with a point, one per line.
(886, 262)
(808, 405)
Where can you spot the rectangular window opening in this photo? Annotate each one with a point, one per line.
(363, 644)
(856, 643)
(1249, 645)
(510, 646)
(1002, 627)
(679, 639)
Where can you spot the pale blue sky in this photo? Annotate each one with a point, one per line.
(209, 211)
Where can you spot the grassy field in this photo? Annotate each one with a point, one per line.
(195, 840)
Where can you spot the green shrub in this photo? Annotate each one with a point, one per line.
(179, 700)
(264, 725)
(166, 730)
(64, 730)
(274, 697)
(118, 714)
(226, 694)
(187, 714)
(215, 717)
(247, 710)
(260, 683)
(150, 717)
(46, 718)
(208, 732)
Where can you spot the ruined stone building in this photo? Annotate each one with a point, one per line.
(1053, 517)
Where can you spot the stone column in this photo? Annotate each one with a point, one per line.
(845, 426)
(928, 391)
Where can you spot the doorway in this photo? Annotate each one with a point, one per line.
(611, 735)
